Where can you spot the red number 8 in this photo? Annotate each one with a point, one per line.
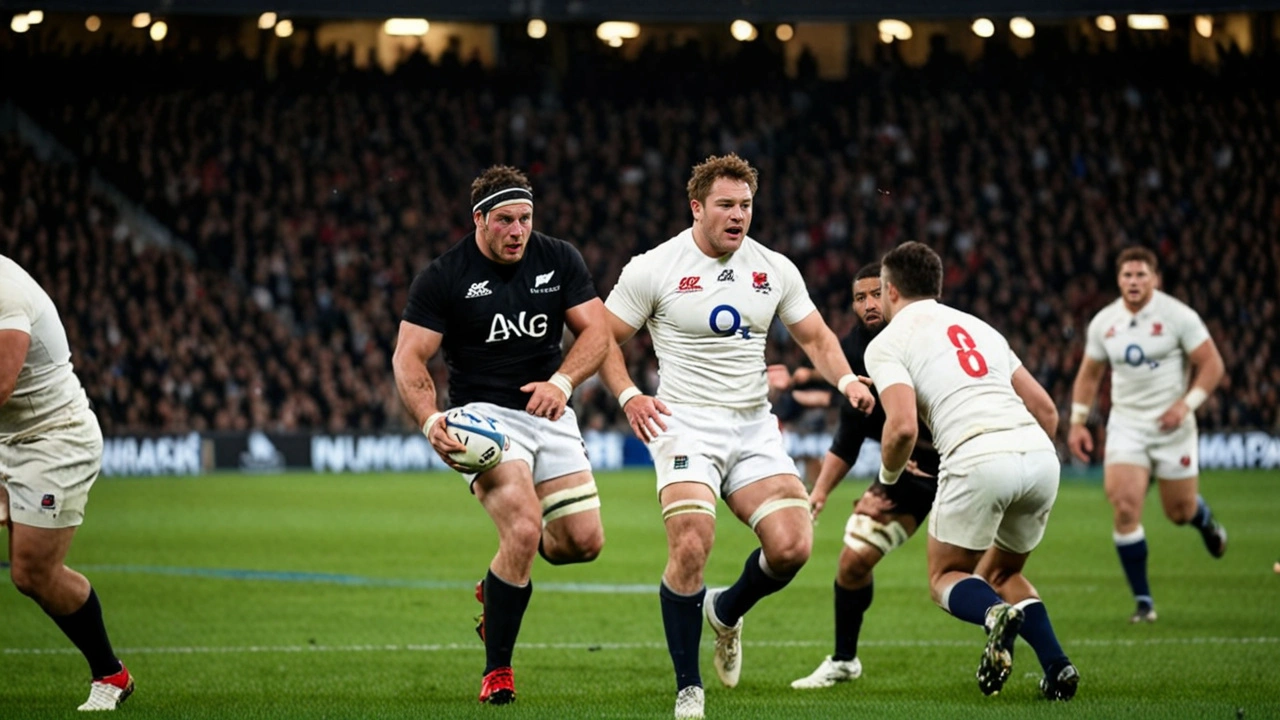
(971, 361)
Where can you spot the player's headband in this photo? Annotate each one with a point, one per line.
(510, 196)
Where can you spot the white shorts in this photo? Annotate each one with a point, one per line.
(550, 449)
(721, 448)
(48, 476)
(1172, 455)
(1002, 499)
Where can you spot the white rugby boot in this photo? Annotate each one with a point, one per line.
(728, 658)
(829, 673)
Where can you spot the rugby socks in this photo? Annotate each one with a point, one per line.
(504, 606)
(1038, 632)
(851, 606)
(755, 582)
(682, 621)
(86, 630)
(1203, 519)
(970, 599)
(1132, 548)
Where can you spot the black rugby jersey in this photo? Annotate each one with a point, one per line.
(855, 427)
(502, 324)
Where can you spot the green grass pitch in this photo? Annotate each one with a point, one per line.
(314, 596)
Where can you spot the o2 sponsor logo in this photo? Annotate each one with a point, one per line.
(725, 321)
(1134, 356)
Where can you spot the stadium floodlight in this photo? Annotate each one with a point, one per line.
(537, 28)
(743, 31)
(267, 20)
(35, 17)
(614, 32)
(1204, 26)
(785, 32)
(284, 29)
(406, 27)
(895, 29)
(1148, 22)
(1106, 23)
(1022, 27)
(159, 29)
(983, 27)
(141, 20)
(19, 23)
(93, 23)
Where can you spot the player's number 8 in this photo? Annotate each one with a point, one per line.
(971, 361)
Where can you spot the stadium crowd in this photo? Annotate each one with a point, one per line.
(312, 191)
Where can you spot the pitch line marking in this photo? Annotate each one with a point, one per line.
(475, 647)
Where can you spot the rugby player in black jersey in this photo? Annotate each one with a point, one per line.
(497, 303)
(886, 515)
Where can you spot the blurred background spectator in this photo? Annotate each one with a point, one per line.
(309, 190)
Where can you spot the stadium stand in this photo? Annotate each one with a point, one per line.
(311, 191)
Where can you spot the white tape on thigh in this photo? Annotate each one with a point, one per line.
(864, 530)
(683, 507)
(570, 501)
(774, 506)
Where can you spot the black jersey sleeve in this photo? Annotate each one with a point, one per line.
(578, 286)
(426, 306)
(852, 430)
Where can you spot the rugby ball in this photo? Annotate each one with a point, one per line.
(484, 437)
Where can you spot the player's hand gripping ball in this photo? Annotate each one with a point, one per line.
(482, 435)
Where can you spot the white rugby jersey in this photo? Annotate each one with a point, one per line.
(962, 371)
(48, 392)
(1147, 351)
(709, 317)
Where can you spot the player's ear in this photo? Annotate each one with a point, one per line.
(478, 217)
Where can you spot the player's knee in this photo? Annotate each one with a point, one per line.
(787, 555)
(871, 538)
(31, 579)
(855, 567)
(521, 534)
(580, 547)
(1181, 513)
(689, 550)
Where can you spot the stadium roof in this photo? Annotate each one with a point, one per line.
(655, 10)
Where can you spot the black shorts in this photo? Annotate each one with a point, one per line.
(912, 495)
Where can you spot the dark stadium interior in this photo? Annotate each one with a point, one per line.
(306, 191)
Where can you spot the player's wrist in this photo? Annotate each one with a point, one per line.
(889, 477)
(1195, 398)
(563, 383)
(431, 422)
(626, 395)
(845, 381)
(1079, 413)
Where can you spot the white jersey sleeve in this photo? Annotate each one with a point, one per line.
(1094, 349)
(47, 388)
(709, 317)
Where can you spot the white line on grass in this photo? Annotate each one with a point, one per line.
(476, 647)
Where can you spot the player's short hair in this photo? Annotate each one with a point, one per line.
(870, 270)
(915, 269)
(495, 180)
(715, 167)
(1136, 253)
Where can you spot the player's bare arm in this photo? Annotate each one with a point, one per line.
(1083, 393)
(644, 412)
(833, 470)
(415, 345)
(591, 346)
(823, 348)
(13, 354)
(1209, 370)
(901, 427)
(1037, 400)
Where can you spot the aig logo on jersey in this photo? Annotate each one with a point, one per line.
(504, 328)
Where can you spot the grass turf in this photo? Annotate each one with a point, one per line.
(320, 596)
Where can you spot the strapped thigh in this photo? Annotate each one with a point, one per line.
(690, 505)
(774, 506)
(570, 501)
